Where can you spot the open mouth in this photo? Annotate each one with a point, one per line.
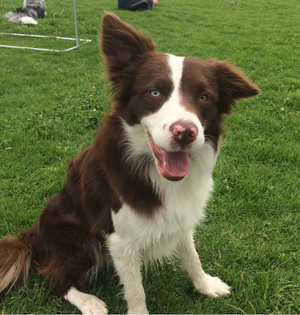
(171, 165)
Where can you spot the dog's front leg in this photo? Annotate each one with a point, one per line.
(203, 282)
(126, 259)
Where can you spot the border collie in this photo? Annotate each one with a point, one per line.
(31, 10)
(138, 192)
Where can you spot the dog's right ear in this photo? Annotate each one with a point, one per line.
(124, 50)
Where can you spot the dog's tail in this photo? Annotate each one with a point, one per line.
(15, 258)
(20, 16)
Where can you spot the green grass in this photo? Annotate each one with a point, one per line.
(50, 106)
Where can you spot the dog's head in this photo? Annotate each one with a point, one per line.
(178, 101)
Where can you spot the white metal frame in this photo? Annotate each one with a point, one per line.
(79, 42)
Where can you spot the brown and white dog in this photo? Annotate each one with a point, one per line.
(138, 192)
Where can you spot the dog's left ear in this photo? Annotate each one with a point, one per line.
(232, 84)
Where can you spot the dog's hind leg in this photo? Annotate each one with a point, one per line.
(67, 267)
(204, 283)
(86, 303)
(68, 255)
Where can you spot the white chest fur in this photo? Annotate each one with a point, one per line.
(183, 208)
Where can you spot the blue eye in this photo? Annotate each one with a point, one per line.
(155, 93)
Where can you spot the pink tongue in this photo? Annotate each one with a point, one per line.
(174, 165)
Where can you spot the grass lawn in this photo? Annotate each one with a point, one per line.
(51, 104)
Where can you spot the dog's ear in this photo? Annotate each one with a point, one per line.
(121, 41)
(232, 84)
(124, 50)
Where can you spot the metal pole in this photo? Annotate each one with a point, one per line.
(75, 23)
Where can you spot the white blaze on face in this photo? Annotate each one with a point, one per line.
(172, 164)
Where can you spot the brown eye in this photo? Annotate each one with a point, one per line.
(203, 98)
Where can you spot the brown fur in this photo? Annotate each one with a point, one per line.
(15, 259)
(125, 50)
(223, 83)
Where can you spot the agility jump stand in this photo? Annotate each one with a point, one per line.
(79, 42)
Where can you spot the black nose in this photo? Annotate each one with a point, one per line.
(184, 132)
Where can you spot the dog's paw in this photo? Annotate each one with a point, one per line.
(92, 305)
(212, 286)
